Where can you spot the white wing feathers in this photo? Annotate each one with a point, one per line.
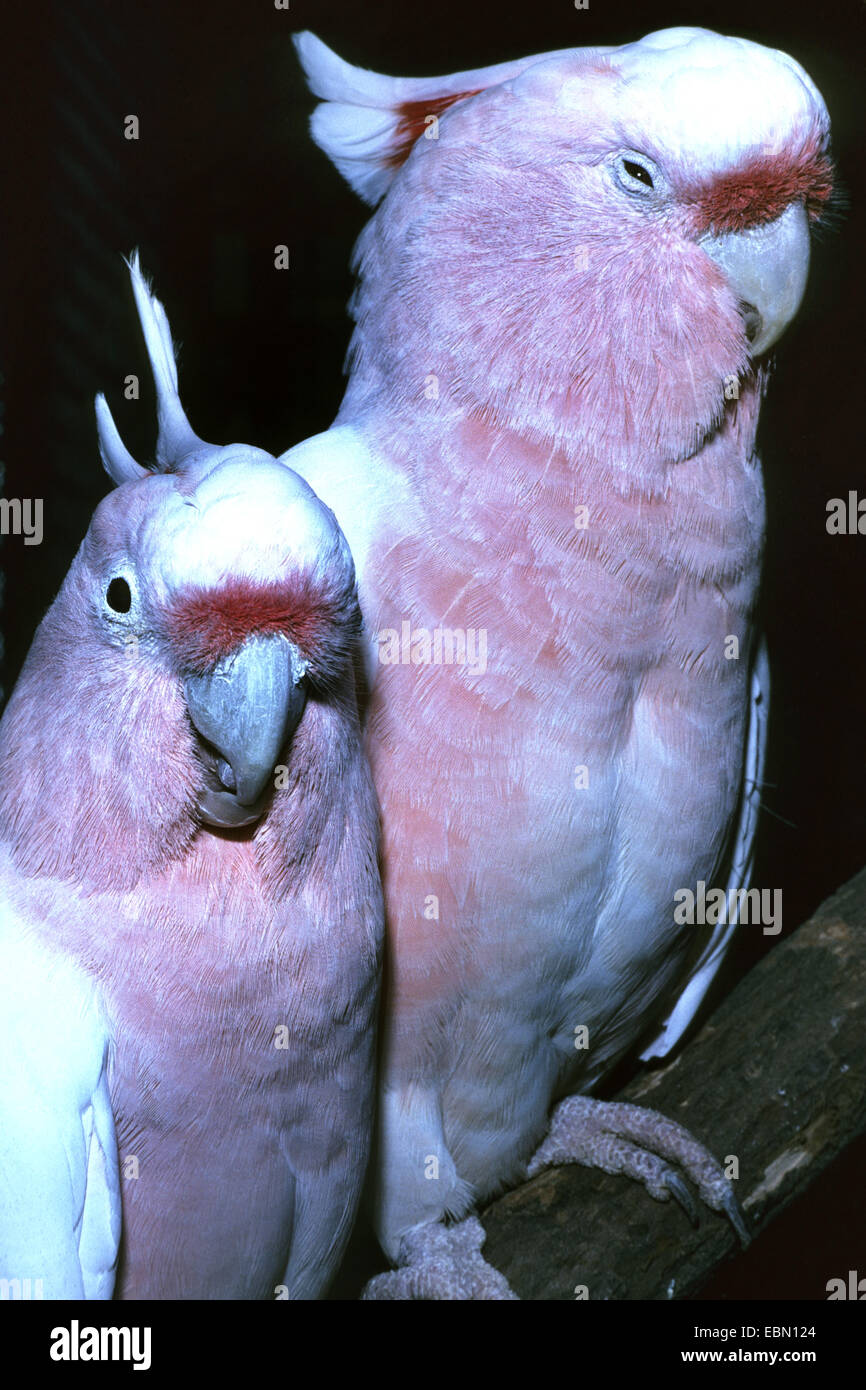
(59, 1184)
(705, 968)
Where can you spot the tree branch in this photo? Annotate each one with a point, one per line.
(777, 1077)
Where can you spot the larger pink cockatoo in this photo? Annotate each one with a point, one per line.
(191, 911)
(545, 467)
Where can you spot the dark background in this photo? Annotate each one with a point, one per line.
(223, 171)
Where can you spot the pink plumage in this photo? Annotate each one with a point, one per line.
(566, 296)
(191, 908)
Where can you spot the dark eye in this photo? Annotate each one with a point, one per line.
(638, 175)
(119, 596)
(637, 171)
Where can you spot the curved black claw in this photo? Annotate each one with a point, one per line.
(735, 1216)
(678, 1190)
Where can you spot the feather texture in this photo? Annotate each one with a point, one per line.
(548, 438)
(214, 979)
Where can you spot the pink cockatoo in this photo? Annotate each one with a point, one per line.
(545, 468)
(191, 911)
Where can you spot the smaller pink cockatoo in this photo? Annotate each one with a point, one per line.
(191, 913)
(545, 467)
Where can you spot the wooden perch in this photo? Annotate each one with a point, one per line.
(777, 1077)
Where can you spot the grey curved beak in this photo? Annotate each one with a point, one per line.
(247, 708)
(767, 268)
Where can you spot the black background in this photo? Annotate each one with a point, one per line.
(223, 171)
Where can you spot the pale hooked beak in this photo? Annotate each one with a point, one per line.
(767, 268)
(246, 708)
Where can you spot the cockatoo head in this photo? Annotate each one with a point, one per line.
(212, 598)
(604, 230)
(230, 566)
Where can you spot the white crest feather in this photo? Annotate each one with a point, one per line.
(176, 437)
(358, 123)
(117, 461)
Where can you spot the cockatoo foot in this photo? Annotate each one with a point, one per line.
(636, 1141)
(438, 1262)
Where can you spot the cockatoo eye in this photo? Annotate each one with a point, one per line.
(636, 174)
(122, 613)
(637, 171)
(118, 595)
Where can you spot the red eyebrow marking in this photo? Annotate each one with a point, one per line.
(413, 123)
(760, 190)
(205, 625)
